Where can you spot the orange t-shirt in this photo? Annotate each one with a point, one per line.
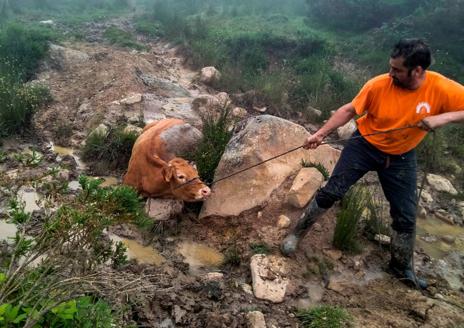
(387, 106)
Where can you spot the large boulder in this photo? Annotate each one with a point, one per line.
(155, 109)
(440, 183)
(211, 106)
(262, 137)
(61, 57)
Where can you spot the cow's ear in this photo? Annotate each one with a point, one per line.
(193, 165)
(168, 172)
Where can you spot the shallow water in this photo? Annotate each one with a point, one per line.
(142, 254)
(200, 256)
(65, 151)
(439, 249)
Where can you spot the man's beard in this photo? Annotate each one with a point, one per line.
(402, 84)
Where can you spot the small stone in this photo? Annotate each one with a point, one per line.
(284, 222)
(247, 289)
(259, 215)
(260, 109)
(382, 239)
(422, 213)
(215, 276)
(256, 319)
(448, 239)
(334, 254)
(445, 217)
(239, 112)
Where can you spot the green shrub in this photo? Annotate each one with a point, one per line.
(18, 103)
(325, 316)
(320, 167)
(122, 38)
(113, 148)
(146, 25)
(68, 252)
(260, 248)
(346, 229)
(21, 49)
(216, 135)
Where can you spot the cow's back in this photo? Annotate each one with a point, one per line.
(148, 144)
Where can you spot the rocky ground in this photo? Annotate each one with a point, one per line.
(93, 83)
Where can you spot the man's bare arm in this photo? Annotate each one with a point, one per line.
(436, 121)
(341, 117)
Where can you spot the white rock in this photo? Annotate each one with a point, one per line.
(305, 185)
(267, 273)
(214, 276)
(345, 131)
(283, 222)
(239, 112)
(260, 109)
(313, 111)
(382, 239)
(163, 209)
(132, 99)
(209, 75)
(47, 22)
(440, 183)
(256, 319)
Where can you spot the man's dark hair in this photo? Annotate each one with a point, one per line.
(414, 51)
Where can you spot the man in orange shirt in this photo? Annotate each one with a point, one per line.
(408, 96)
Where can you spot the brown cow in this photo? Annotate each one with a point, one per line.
(156, 172)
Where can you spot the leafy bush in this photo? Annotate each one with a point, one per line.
(67, 254)
(113, 148)
(18, 103)
(353, 205)
(325, 316)
(146, 25)
(21, 49)
(216, 135)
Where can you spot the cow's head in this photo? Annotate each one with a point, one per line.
(184, 181)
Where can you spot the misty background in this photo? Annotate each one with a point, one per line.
(293, 56)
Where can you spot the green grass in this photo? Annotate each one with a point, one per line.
(122, 38)
(216, 135)
(113, 149)
(325, 316)
(346, 229)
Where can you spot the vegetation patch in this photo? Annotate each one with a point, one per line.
(113, 147)
(346, 228)
(54, 278)
(325, 316)
(122, 38)
(216, 135)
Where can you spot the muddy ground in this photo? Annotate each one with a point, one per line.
(84, 93)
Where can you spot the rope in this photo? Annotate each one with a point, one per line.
(322, 143)
(295, 149)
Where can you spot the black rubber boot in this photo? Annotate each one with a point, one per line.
(402, 249)
(307, 219)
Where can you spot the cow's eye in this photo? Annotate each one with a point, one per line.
(181, 177)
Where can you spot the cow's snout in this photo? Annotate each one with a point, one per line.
(205, 192)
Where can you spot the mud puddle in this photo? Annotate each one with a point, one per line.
(440, 238)
(65, 151)
(142, 254)
(200, 256)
